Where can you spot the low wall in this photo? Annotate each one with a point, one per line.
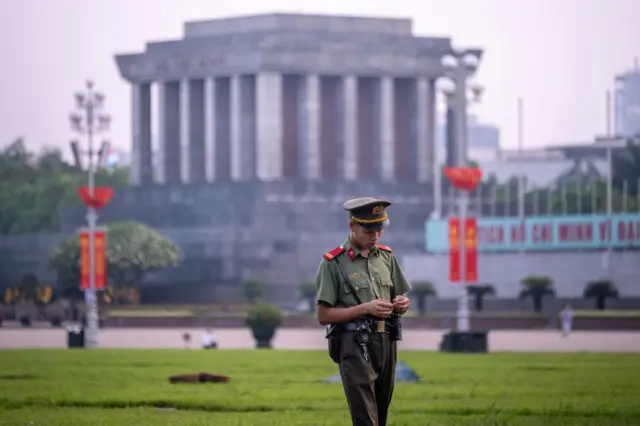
(484, 322)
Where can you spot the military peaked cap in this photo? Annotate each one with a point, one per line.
(368, 212)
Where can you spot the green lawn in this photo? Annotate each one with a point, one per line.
(128, 387)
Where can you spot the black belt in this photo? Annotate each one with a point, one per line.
(379, 326)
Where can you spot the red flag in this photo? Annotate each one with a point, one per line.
(454, 249)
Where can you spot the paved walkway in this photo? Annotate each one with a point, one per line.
(515, 341)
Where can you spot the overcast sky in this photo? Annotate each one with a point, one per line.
(559, 55)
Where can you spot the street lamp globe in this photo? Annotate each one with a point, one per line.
(470, 62)
(446, 86)
(449, 62)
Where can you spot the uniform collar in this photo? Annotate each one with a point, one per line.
(353, 252)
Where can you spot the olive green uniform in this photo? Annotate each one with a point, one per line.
(368, 383)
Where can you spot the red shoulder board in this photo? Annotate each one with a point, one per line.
(385, 248)
(333, 253)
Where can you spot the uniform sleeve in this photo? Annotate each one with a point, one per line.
(400, 283)
(326, 284)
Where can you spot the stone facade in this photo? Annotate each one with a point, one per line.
(285, 97)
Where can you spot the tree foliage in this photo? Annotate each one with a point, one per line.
(600, 291)
(626, 168)
(133, 250)
(478, 293)
(34, 187)
(421, 291)
(537, 288)
(581, 190)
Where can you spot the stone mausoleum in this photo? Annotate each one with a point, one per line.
(286, 97)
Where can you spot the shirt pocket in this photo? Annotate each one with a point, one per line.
(385, 284)
(384, 279)
(360, 285)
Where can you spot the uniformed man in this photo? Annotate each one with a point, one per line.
(360, 288)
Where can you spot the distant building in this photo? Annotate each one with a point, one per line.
(484, 141)
(627, 102)
(543, 167)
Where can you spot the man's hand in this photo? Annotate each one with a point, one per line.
(379, 308)
(400, 304)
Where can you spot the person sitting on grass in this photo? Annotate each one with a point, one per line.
(208, 341)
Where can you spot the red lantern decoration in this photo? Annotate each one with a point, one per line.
(464, 178)
(101, 196)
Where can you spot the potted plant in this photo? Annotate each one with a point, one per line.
(601, 290)
(537, 288)
(263, 319)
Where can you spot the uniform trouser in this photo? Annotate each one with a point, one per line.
(368, 384)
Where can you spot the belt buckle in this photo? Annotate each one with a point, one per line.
(380, 327)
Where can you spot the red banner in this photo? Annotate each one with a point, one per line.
(471, 249)
(100, 265)
(85, 260)
(100, 252)
(454, 249)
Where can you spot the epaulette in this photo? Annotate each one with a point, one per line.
(385, 248)
(333, 253)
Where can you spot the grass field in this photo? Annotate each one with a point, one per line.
(117, 387)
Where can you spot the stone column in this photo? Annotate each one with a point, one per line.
(169, 133)
(311, 114)
(196, 135)
(350, 127)
(385, 157)
(185, 122)
(210, 128)
(431, 158)
(236, 129)
(141, 152)
(422, 129)
(269, 135)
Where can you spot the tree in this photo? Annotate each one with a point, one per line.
(421, 291)
(308, 293)
(28, 287)
(626, 168)
(133, 250)
(478, 292)
(537, 288)
(600, 290)
(252, 291)
(35, 187)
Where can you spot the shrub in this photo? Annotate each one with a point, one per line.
(263, 315)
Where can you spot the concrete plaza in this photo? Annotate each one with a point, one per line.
(171, 338)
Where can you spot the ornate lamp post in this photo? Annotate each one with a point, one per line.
(458, 69)
(89, 121)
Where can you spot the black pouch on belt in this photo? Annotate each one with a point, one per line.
(334, 331)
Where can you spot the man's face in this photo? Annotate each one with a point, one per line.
(365, 238)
